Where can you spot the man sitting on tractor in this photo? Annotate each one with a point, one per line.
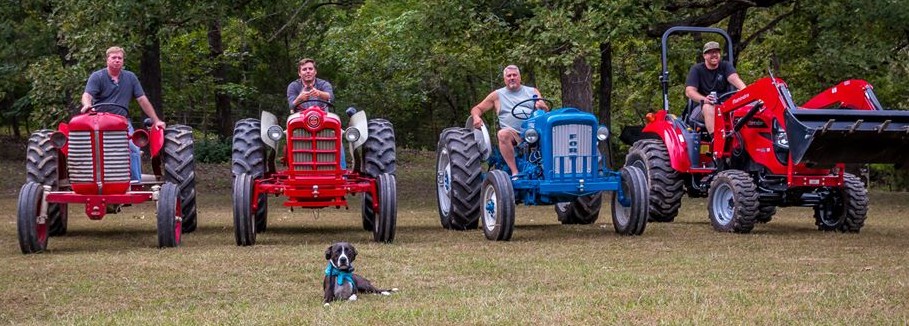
(308, 87)
(503, 100)
(118, 86)
(710, 76)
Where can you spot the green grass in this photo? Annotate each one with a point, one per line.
(784, 272)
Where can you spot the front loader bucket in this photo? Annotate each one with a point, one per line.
(827, 137)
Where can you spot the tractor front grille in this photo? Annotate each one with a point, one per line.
(314, 151)
(571, 151)
(114, 151)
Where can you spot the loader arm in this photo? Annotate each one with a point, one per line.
(855, 94)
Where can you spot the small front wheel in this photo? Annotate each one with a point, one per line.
(732, 202)
(629, 214)
(32, 228)
(244, 225)
(498, 206)
(170, 216)
(386, 219)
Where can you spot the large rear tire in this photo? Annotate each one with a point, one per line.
(41, 166)
(846, 209)
(244, 225)
(180, 169)
(170, 225)
(732, 202)
(581, 210)
(498, 206)
(458, 179)
(666, 186)
(631, 219)
(378, 157)
(248, 155)
(386, 220)
(33, 233)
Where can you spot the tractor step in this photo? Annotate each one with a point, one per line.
(827, 137)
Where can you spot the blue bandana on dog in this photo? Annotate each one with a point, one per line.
(331, 270)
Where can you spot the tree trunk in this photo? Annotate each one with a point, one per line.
(605, 94)
(577, 85)
(736, 21)
(150, 71)
(219, 74)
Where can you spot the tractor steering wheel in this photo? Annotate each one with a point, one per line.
(523, 114)
(300, 106)
(722, 97)
(96, 105)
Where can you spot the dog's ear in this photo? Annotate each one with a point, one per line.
(353, 253)
(328, 253)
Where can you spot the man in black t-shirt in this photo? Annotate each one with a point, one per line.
(713, 75)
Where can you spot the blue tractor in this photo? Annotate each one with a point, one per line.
(559, 164)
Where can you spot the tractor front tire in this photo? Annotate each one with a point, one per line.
(847, 211)
(248, 155)
(169, 216)
(244, 224)
(180, 169)
(765, 214)
(631, 219)
(732, 202)
(32, 233)
(665, 184)
(458, 179)
(498, 206)
(41, 167)
(378, 157)
(386, 220)
(581, 210)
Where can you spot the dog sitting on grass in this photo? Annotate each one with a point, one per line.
(340, 282)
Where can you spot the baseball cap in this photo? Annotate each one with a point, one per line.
(711, 46)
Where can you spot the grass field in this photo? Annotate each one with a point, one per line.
(683, 272)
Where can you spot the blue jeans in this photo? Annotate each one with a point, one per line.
(135, 163)
(343, 160)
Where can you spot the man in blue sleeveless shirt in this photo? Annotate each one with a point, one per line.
(117, 85)
(503, 100)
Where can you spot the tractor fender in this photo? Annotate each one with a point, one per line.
(268, 120)
(155, 140)
(674, 139)
(481, 136)
(359, 122)
(63, 128)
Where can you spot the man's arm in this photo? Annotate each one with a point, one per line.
(736, 81)
(325, 92)
(692, 93)
(293, 92)
(149, 110)
(540, 104)
(485, 105)
(86, 102)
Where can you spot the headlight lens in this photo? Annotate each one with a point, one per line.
(275, 132)
(602, 133)
(59, 139)
(531, 135)
(352, 134)
(780, 138)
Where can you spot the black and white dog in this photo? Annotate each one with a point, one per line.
(340, 281)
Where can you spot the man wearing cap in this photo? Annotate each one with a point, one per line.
(712, 75)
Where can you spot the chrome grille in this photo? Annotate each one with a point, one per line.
(571, 150)
(116, 156)
(79, 162)
(319, 145)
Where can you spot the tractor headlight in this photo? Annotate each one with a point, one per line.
(352, 134)
(58, 139)
(531, 135)
(780, 138)
(602, 133)
(275, 132)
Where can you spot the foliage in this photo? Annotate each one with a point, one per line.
(212, 150)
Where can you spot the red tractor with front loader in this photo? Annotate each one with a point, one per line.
(87, 162)
(766, 152)
(314, 173)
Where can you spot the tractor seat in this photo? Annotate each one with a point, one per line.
(693, 117)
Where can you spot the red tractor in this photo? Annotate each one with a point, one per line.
(315, 174)
(766, 152)
(87, 161)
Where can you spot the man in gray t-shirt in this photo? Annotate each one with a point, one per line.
(503, 100)
(300, 92)
(117, 85)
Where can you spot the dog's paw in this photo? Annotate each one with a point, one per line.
(353, 298)
(326, 304)
(386, 293)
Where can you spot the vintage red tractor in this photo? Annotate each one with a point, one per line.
(87, 161)
(766, 152)
(314, 174)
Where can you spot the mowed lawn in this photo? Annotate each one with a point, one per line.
(109, 271)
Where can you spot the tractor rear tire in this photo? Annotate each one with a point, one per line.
(32, 235)
(732, 202)
(180, 169)
(666, 186)
(170, 224)
(378, 157)
(498, 206)
(41, 167)
(244, 223)
(847, 211)
(386, 220)
(458, 179)
(765, 214)
(581, 210)
(248, 155)
(631, 220)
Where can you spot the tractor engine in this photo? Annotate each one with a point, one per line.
(98, 153)
(314, 139)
